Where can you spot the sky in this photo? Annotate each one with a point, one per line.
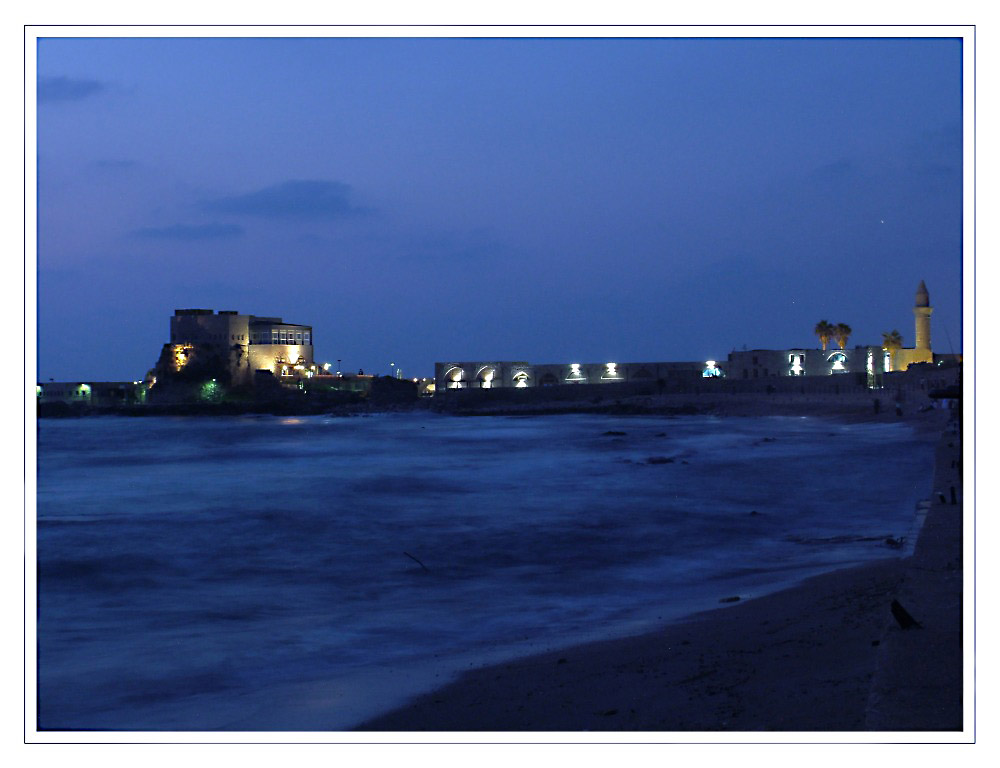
(544, 200)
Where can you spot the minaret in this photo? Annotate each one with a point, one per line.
(922, 317)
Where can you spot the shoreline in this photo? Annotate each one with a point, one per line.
(823, 655)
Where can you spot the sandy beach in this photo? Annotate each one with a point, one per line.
(826, 655)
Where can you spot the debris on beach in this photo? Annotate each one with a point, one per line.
(613, 433)
(733, 599)
(902, 616)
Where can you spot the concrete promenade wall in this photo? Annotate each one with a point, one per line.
(908, 388)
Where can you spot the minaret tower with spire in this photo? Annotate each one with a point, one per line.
(922, 318)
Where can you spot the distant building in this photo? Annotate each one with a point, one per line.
(246, 344)
(518, 375)
(764, 363)
(871, 360)
(94, 394)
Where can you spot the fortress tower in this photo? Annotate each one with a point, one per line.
(922, 319)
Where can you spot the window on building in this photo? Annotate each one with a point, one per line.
(283, 336)
(274, 337)
(298, 337)
(307, 336)
(838, 362)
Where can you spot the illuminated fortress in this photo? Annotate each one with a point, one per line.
(246, 343)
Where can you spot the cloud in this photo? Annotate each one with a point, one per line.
(318, 200)
(189, 232)
(67, 89)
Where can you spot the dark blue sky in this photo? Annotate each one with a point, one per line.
(545, 200)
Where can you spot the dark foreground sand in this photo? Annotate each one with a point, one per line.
(826, 655)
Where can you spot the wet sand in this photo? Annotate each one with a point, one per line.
(825, 655)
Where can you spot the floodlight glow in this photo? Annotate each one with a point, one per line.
(611, 369)
(181, 355)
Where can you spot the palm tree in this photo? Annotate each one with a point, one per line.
(892, 342)
(825, 332)
(842, 332)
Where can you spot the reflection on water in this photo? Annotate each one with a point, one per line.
(299, 573)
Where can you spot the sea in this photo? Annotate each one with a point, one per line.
(266, 573)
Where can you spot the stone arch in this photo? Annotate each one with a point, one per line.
(485, 376)
(455, 377)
